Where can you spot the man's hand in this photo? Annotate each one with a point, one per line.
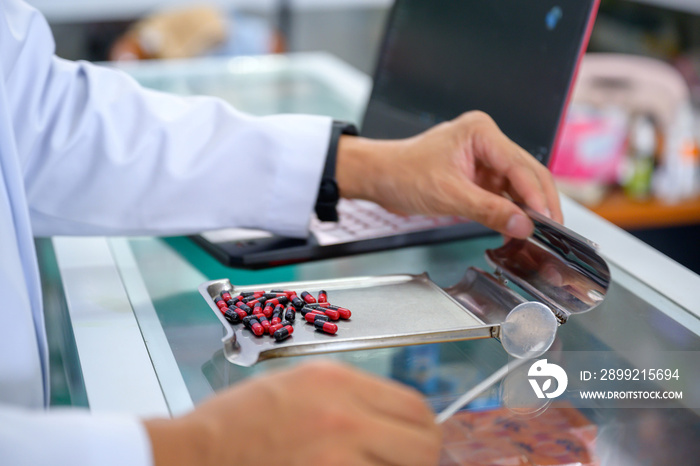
(463, 167)
(319, 413)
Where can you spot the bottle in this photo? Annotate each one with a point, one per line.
(640, 168)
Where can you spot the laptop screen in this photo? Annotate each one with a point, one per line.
(512, 59)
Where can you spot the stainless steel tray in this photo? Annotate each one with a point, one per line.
(392, 310)
(559, 268)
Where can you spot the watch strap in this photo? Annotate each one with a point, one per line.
(328, 192)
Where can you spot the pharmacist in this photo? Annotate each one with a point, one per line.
(85, 151)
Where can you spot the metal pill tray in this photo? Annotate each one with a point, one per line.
(556, 266)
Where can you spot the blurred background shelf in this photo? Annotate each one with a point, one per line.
(61, 11)
(652, 213)
(108, 10)
(688, 6)
(673, 229)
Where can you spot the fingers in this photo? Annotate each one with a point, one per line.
(496, 212)
(395, 401)
(383, 396)
(525, 186)
(383, 420)
(551, 193)
(517, 167)
(392, 443)
(529, 180)
(344, 416)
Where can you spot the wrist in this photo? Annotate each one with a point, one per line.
(182, 441)
(362, 165)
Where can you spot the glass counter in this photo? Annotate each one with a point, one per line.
(638, 326)
(629, 330)
(313, 83)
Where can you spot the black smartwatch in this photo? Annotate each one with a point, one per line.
(328, 192)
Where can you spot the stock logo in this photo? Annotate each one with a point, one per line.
(541, 370)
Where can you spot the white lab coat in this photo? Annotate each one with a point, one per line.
(84, 150)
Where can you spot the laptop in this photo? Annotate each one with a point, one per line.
(515, 60)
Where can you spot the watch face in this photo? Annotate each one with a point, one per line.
(346, 128)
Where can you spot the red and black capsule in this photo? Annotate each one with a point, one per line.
(308, 297)
(260, 300)
(274, 327)
(225, 295)
(277, 314)
(332, 313)
(257, 328)
(323, 305)
(252, 298)
(297, 302)
(257, 309)
(312, 317)
(253, 324)
(233, 303)
(344, 313)
(322, 296)
(325, 327)
(287, 293)
(245, 307)
(290, 314)
(279, 300)
(231, 316)
(267, 310)
(283, 333)
(255, 295)
(264, 322)
(247, 321)
(241, 313)
(219, 302)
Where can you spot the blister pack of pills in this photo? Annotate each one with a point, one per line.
(559, 436)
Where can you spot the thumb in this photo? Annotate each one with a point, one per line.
(495, 212)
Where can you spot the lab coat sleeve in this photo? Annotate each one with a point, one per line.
(101, 155)
(74, 437)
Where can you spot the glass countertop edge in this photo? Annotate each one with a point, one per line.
(172, 383)
(683, 316)
(644, 264)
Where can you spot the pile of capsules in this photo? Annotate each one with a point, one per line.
(274, 312)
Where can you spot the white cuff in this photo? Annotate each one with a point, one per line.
(294, 184)
(72, 436)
